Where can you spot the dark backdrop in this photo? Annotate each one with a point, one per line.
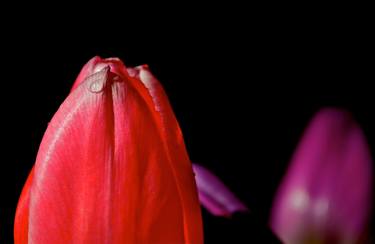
(242, 92)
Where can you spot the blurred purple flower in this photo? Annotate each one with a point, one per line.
(325, 196)
(214, 195)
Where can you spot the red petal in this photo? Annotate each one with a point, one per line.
(87, 70)
(175, 146)
(21, 222)
(107, 173)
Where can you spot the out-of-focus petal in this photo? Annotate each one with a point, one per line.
(325, 196)
(214, 195)
(105, 171)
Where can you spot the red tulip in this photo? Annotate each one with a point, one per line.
(325, 196)
(112, 167)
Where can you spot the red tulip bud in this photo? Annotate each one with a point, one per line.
(112, 167)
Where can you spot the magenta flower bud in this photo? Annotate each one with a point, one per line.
(325, 196)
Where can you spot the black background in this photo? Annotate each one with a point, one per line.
(243, 88)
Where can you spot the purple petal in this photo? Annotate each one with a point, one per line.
(326, 194)
(214, 195)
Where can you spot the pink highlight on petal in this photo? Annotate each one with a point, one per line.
(326, 193)
(214, 195)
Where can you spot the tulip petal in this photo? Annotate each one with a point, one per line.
(21, 224)
(326, 193)
(105, 171)
(214, 195)
(87, 70)
(173, 138)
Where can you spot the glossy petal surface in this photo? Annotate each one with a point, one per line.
(110, 169)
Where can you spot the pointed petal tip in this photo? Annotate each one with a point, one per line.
(334, 113)
(97, 64)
